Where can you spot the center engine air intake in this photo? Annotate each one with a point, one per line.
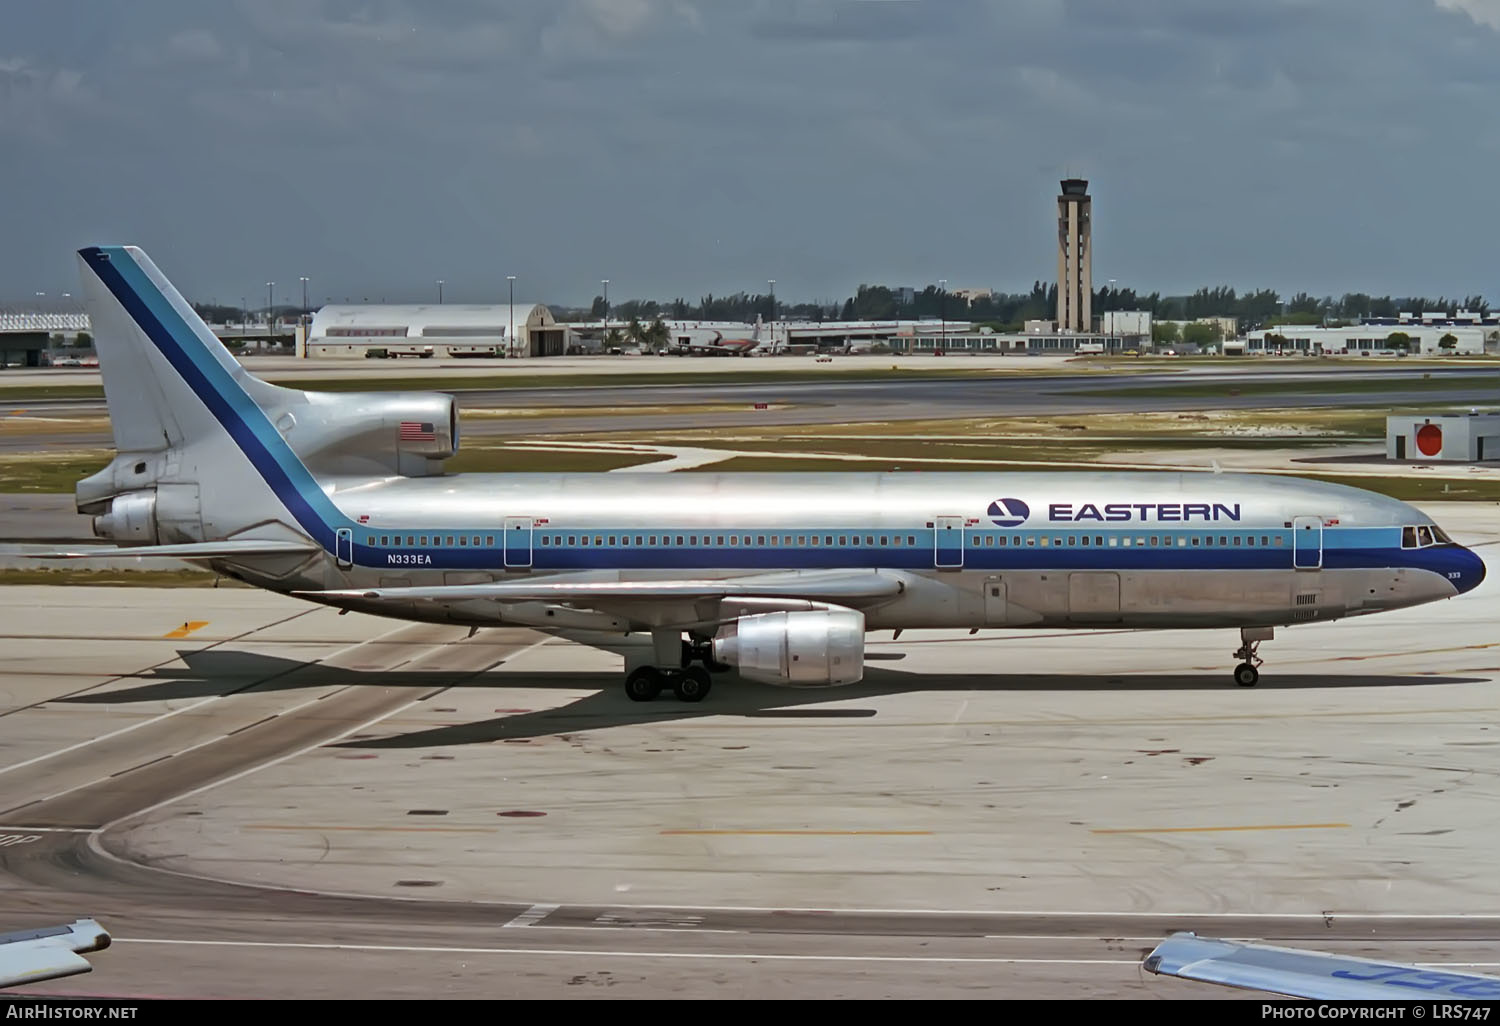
(809, 649)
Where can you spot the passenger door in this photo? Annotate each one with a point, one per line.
(948, 543)
(1307, 543)
(343, 548)
(517, 543)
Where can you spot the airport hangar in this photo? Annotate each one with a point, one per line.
(436, 329)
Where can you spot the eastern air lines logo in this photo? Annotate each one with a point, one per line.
(1009, 512)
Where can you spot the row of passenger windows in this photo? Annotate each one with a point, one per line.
(1123, 541)
(732, 540)
(855, 540)
(438, 541)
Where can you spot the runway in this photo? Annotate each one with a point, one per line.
(254, 794)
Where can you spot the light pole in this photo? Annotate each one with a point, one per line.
(510, 340)
(943, 309)
(270, 305)
(440, 292)
(304, 295)
(772, 282)
(244, 315)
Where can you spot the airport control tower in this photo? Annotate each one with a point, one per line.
(1075, 276)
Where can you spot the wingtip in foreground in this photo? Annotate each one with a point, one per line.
(49, 952)
(1309, 974)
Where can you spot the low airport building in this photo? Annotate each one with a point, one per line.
(436, 329)
(1374, 338)
(1461, 438)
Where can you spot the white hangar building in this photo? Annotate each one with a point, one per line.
(436, 329)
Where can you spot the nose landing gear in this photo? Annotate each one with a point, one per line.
(1246, 675)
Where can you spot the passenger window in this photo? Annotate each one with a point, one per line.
(1264, 541)
(1113, 541)
(476, 540)
(760, 539)
(1046, 541)
(650, 540)
(775, 540)
(828, 539)
(884, 539)
(598, 539)
(450, 541)
(1155, 540)
(1072, 540)
(815, 541)
(422, 540)
(869, 539)
(545, 539)
(911, 539)
(1098, 539)
(583, 539)
(747, 539)
(720, 541)
(1195, 539)
(611, 539)
(572, 539)
(734, 540)
(802, 539)
(679, 539)
(1236, 539)
(489, 540)
(856, 541)
(463, 540)
(638, 539)
(1181, 541)
(1424, 536)
(843, 540)
(1223, 540)
(369, 539)
(408, 539)
(1031, 541)
(385, 539)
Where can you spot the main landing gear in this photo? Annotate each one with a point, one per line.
(645, 683)
(688, 682)
(1246, 675)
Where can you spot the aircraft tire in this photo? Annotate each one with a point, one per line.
(644, 684)
(693, 685)
(1246, 676)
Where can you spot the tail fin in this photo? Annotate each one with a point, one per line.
(198, 454)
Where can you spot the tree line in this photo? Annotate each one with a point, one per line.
(1010, 310)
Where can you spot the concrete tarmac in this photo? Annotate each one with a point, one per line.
(259, 797)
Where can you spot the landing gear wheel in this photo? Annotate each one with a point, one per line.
(1246, 675)
(643, 684)
(692, 685)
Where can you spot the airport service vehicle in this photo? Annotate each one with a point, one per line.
(342, 499)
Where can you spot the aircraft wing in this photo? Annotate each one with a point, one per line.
(1310, 974)
(30, 956)
(192, 550)
(842, 587)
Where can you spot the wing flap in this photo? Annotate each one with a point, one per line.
(1310, 974)
(193, 550)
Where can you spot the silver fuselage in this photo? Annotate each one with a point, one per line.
(1091, 550)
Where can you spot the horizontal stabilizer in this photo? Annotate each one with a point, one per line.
(1310, 974)
(31, 956)
(839, 588)
(193, 550)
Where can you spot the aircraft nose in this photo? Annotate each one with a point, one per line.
(1471, 571)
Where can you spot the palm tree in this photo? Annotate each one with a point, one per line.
(658, 335)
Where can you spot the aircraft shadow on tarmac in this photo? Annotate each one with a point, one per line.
(221, 672)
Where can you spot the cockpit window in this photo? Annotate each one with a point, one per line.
(1408, 537)
(1424, 536)
(1441, 536)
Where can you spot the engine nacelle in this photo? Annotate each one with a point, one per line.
(361, 433)
(130, 518)
(812, 649)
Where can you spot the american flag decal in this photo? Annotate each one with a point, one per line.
(412, 431)
(364, 518)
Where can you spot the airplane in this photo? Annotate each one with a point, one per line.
(1310, 974)
(692, 339)
(342, 499)
(50, 952)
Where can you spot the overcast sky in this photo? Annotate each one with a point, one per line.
(681, 147)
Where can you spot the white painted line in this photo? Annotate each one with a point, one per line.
(94, 835)
(589, 952)
(49, 830)
(532, 915)
(175, 712)
(220, 737)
